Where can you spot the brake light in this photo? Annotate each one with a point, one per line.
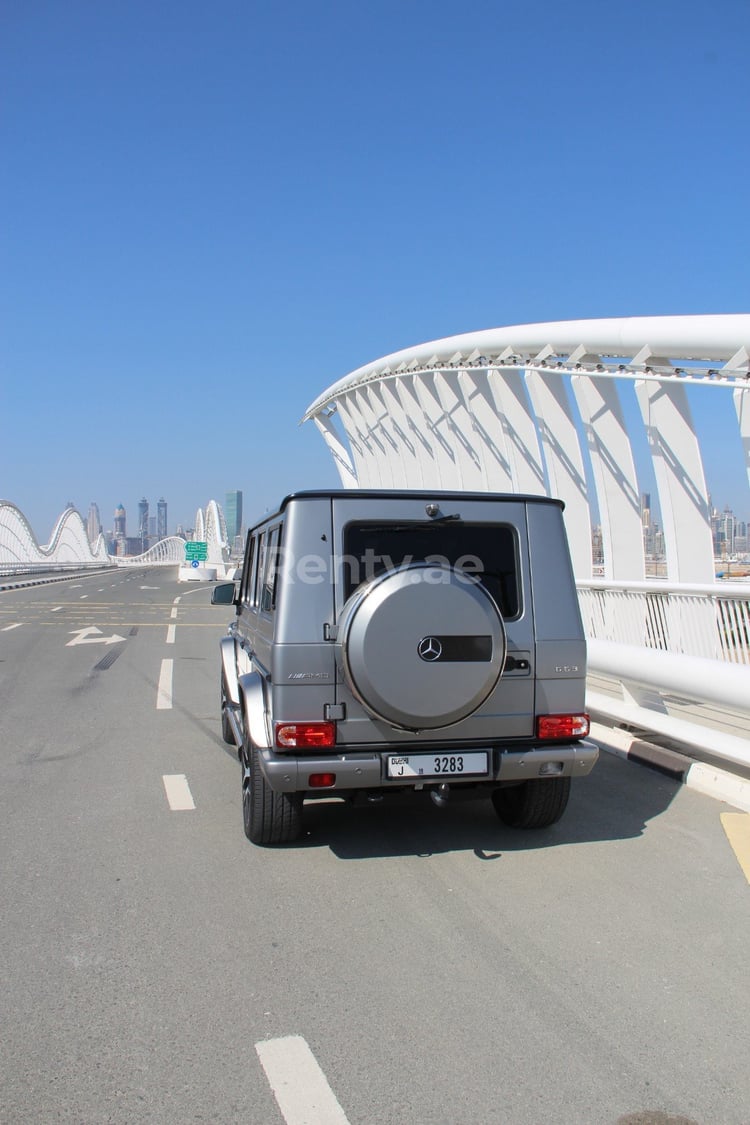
(305, 736)
(561, 727)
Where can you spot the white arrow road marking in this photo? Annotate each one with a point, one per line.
(178, 792)
(83, 637)
(299, 1085)
(164, 690)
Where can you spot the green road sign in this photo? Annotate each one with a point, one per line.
(196, 550)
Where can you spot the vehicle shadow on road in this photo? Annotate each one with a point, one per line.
(615, 802)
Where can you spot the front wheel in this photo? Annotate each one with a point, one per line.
(532, 804)
(268, 817)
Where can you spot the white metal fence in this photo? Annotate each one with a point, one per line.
(709, 621)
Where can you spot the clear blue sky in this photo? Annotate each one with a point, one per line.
(212, 211)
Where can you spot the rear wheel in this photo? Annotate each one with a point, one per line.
(532, 804)
(268, 817)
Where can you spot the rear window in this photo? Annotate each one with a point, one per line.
(488, 551)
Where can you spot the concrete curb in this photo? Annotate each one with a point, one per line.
(706, 779)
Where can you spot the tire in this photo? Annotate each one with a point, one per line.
(532, 804)
(226, 727)
(268, 817)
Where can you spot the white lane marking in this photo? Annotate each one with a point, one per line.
(83, 597)
(177, 601)
(299, 1085)
(7, 628)
(149, 587)
(173, 613)
(178, 792)
(170, 634)
(83, 637)
(164, 691)
(56, 609)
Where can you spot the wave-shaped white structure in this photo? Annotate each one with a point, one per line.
(167, 552)
(211, 527)
(68, 545)
(529, 408)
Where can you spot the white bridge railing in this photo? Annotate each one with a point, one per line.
(672, 660)
(709, 621)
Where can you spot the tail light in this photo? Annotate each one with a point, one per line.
(562, 727)
(306, 736)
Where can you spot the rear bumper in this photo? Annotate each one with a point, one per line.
(363, 769)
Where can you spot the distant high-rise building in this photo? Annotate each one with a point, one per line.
(161, 518)
(119, 529)
(233, 515)
(143, 520)
(646, 509)
(93, 523)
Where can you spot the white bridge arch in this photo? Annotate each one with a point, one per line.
(525, 408)
(538, 408)
(211, 528)
(69, 546)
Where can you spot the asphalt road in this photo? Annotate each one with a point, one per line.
(442, 969)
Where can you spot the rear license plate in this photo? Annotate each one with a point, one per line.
(473, 764)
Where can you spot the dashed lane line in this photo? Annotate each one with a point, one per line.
(173, 613)
(7, 628)
(298, 1083)
(170, 634)
(178, 793)
(737, 828)
(56, 609)
(164, 690)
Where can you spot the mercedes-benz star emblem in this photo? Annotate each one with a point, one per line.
(430, 648)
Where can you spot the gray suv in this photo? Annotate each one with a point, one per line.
(405, 640)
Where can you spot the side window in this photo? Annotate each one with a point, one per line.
(270, 570)
(260, 562)
(247, 572)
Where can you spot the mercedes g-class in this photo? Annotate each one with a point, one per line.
(392, 639)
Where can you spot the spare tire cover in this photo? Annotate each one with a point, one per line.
(422, 646)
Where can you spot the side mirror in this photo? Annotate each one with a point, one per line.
(224, 594)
